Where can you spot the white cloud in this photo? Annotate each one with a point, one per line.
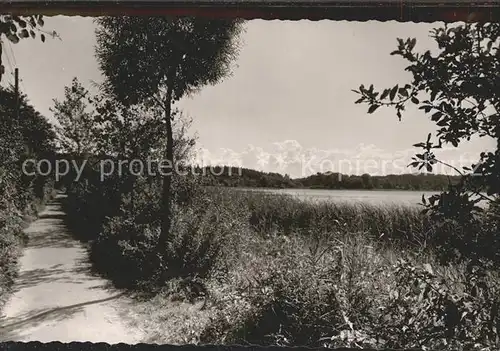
(291, 158)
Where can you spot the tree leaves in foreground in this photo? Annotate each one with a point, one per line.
(158, 60)
(16, 28)
(458, 89)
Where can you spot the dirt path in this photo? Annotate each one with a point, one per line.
(56, 298)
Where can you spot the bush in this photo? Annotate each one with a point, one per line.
(89, 204)
(126, 247)
(11, 241)
(16, 204)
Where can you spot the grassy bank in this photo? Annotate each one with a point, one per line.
(274, 270)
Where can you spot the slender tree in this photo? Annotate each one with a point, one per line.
(75, 132)
(159, 60)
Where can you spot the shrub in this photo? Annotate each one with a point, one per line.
(126, 248)
(441, 308)
(16, 204)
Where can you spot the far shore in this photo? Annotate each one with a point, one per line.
(322, 189)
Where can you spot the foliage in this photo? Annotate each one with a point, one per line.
(126, 131)
(21, 194)
(125, 248)
(351, 292)
(459, 312)
(120, 214)
(75, 130)
(16, 28)
(171, 57)
(181, 53)
(249, 178)
(319, 285)
(456, 87)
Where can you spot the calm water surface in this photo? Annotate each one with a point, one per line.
(376, 197)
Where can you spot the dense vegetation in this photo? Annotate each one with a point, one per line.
(244, 177)
(279, 271)
(272, 269)
(21, 195)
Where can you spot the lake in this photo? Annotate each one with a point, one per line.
(375, 197)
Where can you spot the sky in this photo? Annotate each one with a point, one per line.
(288, 105)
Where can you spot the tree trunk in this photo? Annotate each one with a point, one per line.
(167, 177)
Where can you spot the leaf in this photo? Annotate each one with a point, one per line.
(373, 108)
(13, 38)
(393, 92)
(436, 116)
(426, 108)
(384, 94)
(22, 23)
(42, 36)
(412, 44)
(24, 33)
(403, 92)
(433, 95)
(415, 100)
(429, 167)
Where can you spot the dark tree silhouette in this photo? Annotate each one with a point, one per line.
(159, 60)
(458, 89)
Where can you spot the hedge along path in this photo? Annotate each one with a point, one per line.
(56, 298)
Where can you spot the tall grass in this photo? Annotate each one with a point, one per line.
(282, 214)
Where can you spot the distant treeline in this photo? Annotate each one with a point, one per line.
(250, 178)
(243, 177)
